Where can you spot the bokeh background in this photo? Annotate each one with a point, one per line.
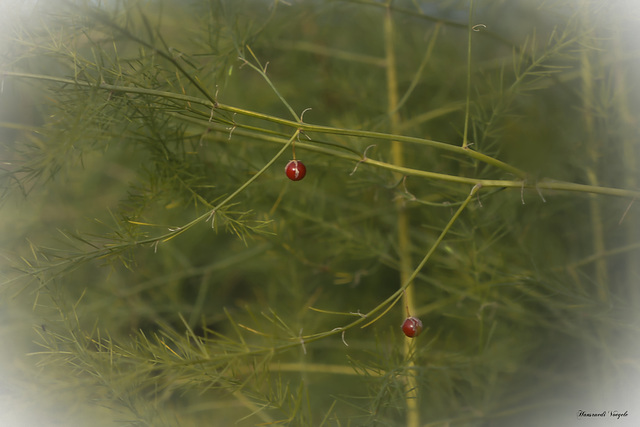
(527, 320)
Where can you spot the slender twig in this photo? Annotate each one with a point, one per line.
(588, 91)
(305, 127)
(404, 242)
(465, 141)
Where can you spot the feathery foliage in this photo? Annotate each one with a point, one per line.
(470, 163)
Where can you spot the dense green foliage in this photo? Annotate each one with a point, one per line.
(473, 164)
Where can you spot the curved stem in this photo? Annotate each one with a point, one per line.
(119, 247)
(519, 184)
(393, 298)
(291, 123)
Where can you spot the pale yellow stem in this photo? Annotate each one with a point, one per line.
(404, 243)
(588, 91)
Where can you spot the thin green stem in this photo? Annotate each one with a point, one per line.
(418, 74)
(465, 141)
(630, 153)
(262, 70)
(108, 22)
(521, 185)
(589, 100)
(404, 242)
(393, 298)
(307, 128)
(175, 232)
(260, 172)
(383, 307)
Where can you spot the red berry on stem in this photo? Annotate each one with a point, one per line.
(295, 170)
(412, 327)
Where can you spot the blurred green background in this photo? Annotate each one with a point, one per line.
(530, 304)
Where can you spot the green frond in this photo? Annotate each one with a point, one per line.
(470, 163)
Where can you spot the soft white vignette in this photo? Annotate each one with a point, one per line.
(20, 404)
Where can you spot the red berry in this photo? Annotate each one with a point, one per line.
(412, 327)
(295, 170)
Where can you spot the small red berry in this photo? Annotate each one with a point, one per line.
(295, 170)
(412, 327)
